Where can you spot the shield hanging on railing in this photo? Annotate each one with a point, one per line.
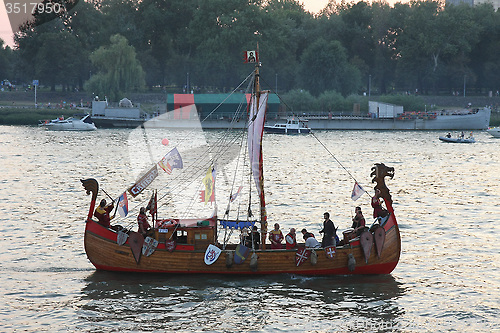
(170, 245)
(301, 256)
(121, 238)
(330, 251)
(212, 254)
(136, 240)
(149, 246)
(241, 254)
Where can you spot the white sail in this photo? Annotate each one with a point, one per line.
(255, 130)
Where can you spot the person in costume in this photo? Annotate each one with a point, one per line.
(102, 213)
(142, 221)
(311, 242)
(328, 231)
(358, 221)
(378, 210)
(306, 234)
(276, 237)
(255, 237)
(291, 240)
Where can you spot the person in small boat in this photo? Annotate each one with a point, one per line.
(311, 242)
(291, 239)
(102, 213)
(142, 221)
(378, 210)
(358, 221)
(276, 237)
(328, 231)
(448, 135)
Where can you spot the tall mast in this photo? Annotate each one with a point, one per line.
(263, 214)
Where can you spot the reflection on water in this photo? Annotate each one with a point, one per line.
(152, 302)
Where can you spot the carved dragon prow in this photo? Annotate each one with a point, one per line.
(91, 185)
(379, 172)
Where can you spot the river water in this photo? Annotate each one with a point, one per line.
(446, 198)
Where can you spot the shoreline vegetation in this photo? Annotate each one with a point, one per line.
(17, 108)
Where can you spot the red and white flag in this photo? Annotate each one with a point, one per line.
(357, 191)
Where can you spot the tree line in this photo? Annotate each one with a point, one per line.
(112, 47)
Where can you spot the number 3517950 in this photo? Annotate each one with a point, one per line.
(33, 8)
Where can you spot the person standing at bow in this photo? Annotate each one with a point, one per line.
(378, 210)
(102, 213)
(142, 221)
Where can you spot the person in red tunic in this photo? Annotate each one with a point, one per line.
(378, 211)
(102, 213)
(291, 240)
(142, 221)
(276, 237)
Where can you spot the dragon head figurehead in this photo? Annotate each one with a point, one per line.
(379, 172)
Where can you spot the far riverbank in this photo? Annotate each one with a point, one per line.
(17, 107)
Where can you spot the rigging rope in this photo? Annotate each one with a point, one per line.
(213, 153)
(314, 136)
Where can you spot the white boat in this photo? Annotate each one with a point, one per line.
(83, 123)
(292, 126)
(447, 138)
(494, 131)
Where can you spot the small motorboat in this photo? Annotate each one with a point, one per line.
(80, 123)
(494, 131)
(448, 138)
(292, 126)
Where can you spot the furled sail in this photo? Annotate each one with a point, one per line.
(256, 118)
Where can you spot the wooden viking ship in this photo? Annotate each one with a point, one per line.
(195, 246)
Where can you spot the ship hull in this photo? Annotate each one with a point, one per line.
(105, 254)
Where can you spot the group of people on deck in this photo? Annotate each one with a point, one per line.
(252, 239)
(329, 230)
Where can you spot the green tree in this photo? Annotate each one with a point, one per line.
(285, 33)
(324, 66)
(484, 61)
(6, 55)
(383, 65)
(431, 35)
(119, 71)
(298, 101)
(218, 34)
(330, 101)
(57, 59)
(165, 48)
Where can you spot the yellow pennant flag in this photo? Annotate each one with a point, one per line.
(209, 182)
